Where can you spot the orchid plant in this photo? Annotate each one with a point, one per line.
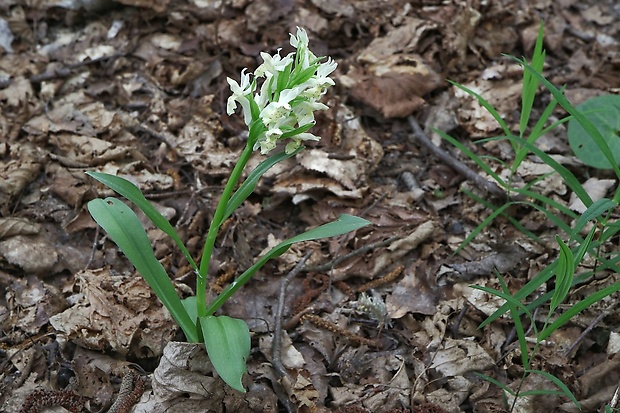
(282, 109)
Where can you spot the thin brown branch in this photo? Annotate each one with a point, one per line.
(276, 348)
(355, 253)
(454, 163)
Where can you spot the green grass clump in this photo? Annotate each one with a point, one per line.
(572, 246)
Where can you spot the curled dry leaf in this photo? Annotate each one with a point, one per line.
(399, 248)
(347, 177)
(30, 303)
(184, 381)
(18, 171)
(401, 300)
(198, 143)
(458, 357)
(596, 188)
(33, 254)
(116, 313)
(401, 39)
(395, 87)
(504, 95)
(88, 150)
(18, 93)
(17, 226)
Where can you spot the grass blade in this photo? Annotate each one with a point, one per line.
(486, 105)
(565, 390)
(582, 119)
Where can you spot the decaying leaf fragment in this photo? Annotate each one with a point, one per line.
(30, 303)
(116, 313)
(185, 381)
(17, 226)
(395, 87)
(33, 254)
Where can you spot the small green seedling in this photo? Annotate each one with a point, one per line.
(283, 109)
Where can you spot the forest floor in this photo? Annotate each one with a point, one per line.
(379, 320)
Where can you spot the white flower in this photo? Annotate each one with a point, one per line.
(268, 141)
(239, 94)
(296, 141)
(317, 85)
(300, 42)
(325, 69)
(284, 108)
(304, 111)
(275, 111)
(273, 64)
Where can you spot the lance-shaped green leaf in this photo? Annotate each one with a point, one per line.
(228, 344)
(133, 193)
(247, 187)
(564, 274)
(125, 229)
(345, 223)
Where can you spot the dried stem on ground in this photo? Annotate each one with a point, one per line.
(454, 163)
(276, 349)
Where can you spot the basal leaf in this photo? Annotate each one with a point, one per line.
(604, 113)
(125, 229)
(133, 193)
(228, 344)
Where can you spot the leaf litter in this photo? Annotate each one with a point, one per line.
(382, 320)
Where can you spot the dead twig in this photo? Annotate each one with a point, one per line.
(329, 326)
(276, 348)
(355, 253)
(584, 333)
(455, 164)
(276, 345)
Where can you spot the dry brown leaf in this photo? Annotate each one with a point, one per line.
(596, 188)
(30, 304)
(395, 87)
(412, 294)
(33, 254)
(401, 39)
(116, 313)
(15, 176)
(17, 226)
(457, 357)
(400, 247)
(18, 92)
(87, 150)
(185, 381)
(503, 95)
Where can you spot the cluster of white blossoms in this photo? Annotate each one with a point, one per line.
(285, 104)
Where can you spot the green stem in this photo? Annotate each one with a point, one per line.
(216, 222)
